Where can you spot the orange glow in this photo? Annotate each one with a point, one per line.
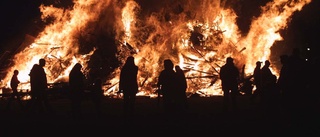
(199, 38)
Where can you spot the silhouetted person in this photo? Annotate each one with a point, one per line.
(77, 86)
(229, 75)
(128, 85)
(167, 85)
(271, 102)
(256, 81)
(14, 86)
(267, 78)
(297, 89)
(313, 96)
(182, 102)
(274, 94)
(39, 87)
(284, 79)
(297, 67)
(97, 95)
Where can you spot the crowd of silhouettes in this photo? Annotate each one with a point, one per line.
(291, 92)
(293, 85)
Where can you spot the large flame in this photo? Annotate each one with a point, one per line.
(197, 35)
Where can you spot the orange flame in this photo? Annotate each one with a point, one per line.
(198, 36)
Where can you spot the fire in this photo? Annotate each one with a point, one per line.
(198, 36)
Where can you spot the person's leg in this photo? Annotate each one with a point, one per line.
(225, 100)
(9, 101)
(46, 102)
(132, 104)
(234, 94)
(19, 99)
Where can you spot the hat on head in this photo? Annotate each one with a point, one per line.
(258, 62)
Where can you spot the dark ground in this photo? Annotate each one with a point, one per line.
(204, 117)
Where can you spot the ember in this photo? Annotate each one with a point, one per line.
(196, 36)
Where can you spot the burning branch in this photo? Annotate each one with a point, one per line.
(127, 45)
(200, 71)
(205, 59)
(201, 77)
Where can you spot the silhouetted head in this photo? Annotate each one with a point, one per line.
(177, 67)
(16, 72)
(267, 63)
(229, 60)
(130, 60)
(77, 66)
(42, 62)
(168, 64)
(258, 63)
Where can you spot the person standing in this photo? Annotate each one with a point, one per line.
(270, 95)
(97, 95)
(14, 86)
(267, 79)
(256, 81)
(284, 78)
(167, 85)
(128, 85)
(299, 77)
(229, 75)
(297, 82)
(77, 86)
(182, 102)
(39, 87)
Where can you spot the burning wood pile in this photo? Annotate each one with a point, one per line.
(196, 36)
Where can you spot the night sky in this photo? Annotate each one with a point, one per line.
(20, 17)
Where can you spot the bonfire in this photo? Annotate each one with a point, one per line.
(197, 35)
